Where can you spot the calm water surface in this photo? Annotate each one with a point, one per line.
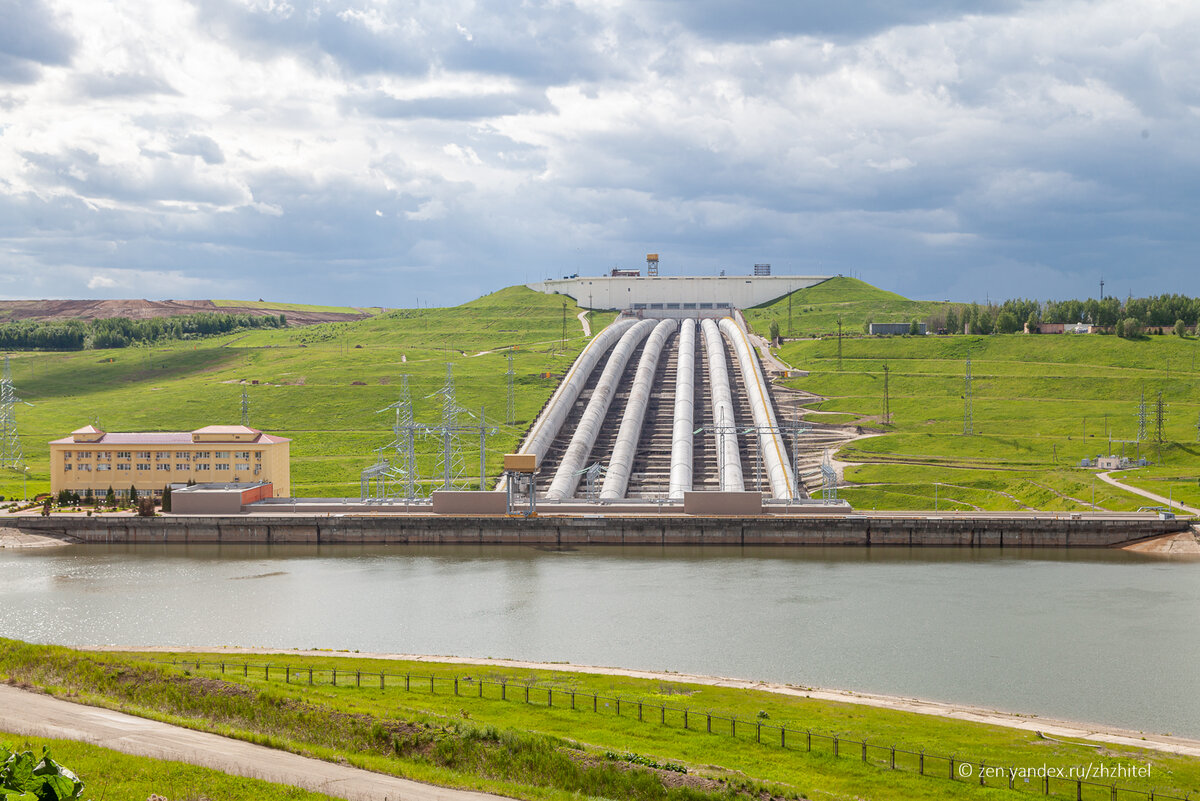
(1102, 636)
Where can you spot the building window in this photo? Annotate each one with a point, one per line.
(162, 455)
(203, 454)
(123, 454)
(184, 466)
(183, 455)
(143, 454)
(220, 454)
(100, 467)
(242, 455)
(86, 468)
(203, 467)
(222, 465)
(123, 466)
(67, 466)
(143, 466)
(162, 466)
(104, 455)
(242, 466)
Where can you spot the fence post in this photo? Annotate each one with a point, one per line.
(951, 768)
(733, 727)
(381, 679)
(245, 669)
(921, 763)
(982, 783)
(431, 684)
(456, 685)
(593, 702)
(527, 693)
(310, 675)
(267, 672)
(406, 685)
(222, 668)
(481, 688)
(782, 737)
(758, 732)
(333, 677)
(549, 697)
(662, 714)
(503, 690)
(708, 715)
(287, 674)
(1079, 790)
(358, 678)
(685, 713)
(639, 711)
(893, 757)
(618, 707)
(809, 732)
(572, 699)
(864, 750)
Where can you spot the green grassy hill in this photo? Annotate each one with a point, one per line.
(1040, 404)
(321, 385)
(815, 311)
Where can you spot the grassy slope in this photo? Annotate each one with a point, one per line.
(298, 307)
(114, 776)
(815, 310)
(449, 719)
(307, 383)
(1040, 404)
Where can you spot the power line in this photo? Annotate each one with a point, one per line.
(10, 440)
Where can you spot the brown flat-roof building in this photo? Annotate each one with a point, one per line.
(91, 459)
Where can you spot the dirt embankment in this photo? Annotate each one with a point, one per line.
(54, 310)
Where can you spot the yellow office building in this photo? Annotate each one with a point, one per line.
(148, 461)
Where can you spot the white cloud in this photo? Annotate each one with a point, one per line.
(100, 282)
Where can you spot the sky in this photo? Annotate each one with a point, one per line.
(376, 152)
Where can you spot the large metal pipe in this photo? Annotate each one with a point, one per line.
(548, 424)
(620, 464)
(771, 448)
(685, 413)
(567, 477)
(729, 457)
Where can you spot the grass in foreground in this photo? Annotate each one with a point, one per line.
(113, 776)
(531, 750)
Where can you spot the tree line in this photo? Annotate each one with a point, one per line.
(1128, 318)
(121, 332)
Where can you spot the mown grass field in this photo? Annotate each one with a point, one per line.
(110, 775)
(321, 385)
(1040, 404)
(445, 738)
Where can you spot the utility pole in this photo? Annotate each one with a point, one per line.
(968, 412)
(839, 321)
(1101, 287)
(510, 417)
(887, 412)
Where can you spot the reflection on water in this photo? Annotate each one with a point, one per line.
(1098, 635)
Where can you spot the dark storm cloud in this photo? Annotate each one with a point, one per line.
(379, 104)
(543, 43)
(770, 19)
(200, 145)
(122, 84)
(30, 36)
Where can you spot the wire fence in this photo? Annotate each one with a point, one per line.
(1045, 780)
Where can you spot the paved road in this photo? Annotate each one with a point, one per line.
(35, 715)
(583, 320)
(1108, 479)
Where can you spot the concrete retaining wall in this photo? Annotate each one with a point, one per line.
(848, 530)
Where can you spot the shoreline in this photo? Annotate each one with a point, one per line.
(1097, 733)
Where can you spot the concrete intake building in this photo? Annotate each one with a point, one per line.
(148, 461)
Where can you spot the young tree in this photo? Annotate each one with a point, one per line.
(1133, 328)
(1006, 323)
(914, 328)
(1120, 328)
(110, 497)
(1031, 323)
(774, 331)
(952, 323)
(133, 495)
(166, 499)
(1180, 328)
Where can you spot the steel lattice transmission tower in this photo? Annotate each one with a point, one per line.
(968, 411)
(10, 441)
(404, 430)
(451, 463)
(1141, 418)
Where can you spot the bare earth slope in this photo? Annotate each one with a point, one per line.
(50, 310)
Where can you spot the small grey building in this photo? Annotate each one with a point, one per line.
(894, 329)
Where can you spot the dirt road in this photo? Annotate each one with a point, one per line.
(35, 715)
